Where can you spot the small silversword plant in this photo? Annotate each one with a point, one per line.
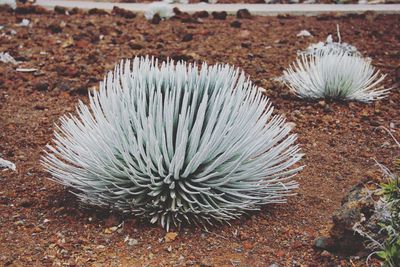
(335, 75)
(175, 143)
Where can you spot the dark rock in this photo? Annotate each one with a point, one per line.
(31, 9)
(97, 11)
(243, 14)
(246, 44)
(75, 11)
(183, 16)
(42, 86)
(219, 15)
(105, 30)
(156, 19)
(134, 45)
(357, 209)
(181, 57)
(55, 27)
(374, 123)
(187, 37)
(236, 24)
(26, 203)
(177, 11)
(92, 58)
(39, 107)
(123, 13)
(201, 14)
(81, 90)
(324, 17)
(64, 86)
(60, 10)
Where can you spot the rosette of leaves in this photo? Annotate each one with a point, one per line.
(335, 75)
(175, 143)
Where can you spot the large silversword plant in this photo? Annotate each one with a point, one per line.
(175, 143)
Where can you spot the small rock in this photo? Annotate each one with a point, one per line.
(123, 13)
(322, 103)
(132, 242)
(75, 11)
(177, 11)
(236, 24)
(60, 10)
(82, 43)
(248, 245)
(374, 123)
(304, 33)
(169, 249)
(55, 28)
(97, 11)
(243, 14)
(171, 236)
(26, 203)
(274, 265)
(31, 9)
(156, 19)
(326, 254)
(18, 223)
(134, 45)
(201, 14)
(42, 86)
(187, 37)
(110, 230)
(219, 15)
(246, 44)
(185, 17)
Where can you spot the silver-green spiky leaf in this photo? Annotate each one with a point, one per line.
(175, 143)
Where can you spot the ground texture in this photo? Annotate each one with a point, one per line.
(42, 224)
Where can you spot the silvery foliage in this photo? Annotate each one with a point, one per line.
(7, 164)
(5, 57)
(329, 46)
(176, 143)
(335, 75)
(163, 9)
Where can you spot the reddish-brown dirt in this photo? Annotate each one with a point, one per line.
(43, 225)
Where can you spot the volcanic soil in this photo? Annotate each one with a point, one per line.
(43, 224)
